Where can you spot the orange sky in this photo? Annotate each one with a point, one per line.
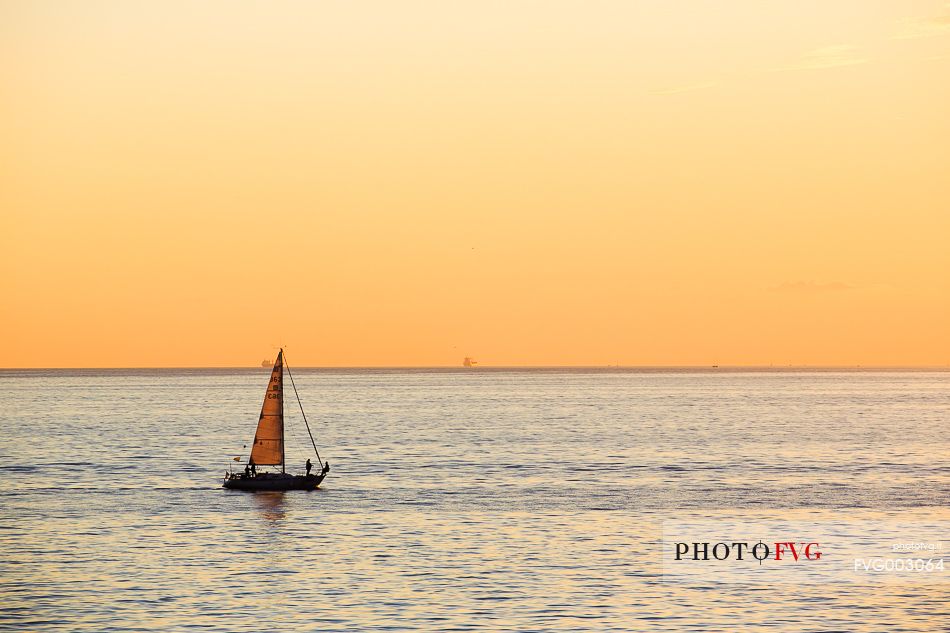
(528, 183)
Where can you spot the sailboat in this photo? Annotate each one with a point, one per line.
(268, 447)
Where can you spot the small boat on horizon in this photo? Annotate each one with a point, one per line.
(469, 362)
(268, 447)
(266, 363)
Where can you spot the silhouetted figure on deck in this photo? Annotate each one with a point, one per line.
(309, 466)
(253, 469)
(326, 467)
(247, 471)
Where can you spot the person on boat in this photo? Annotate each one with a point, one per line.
(247, 471)
(253, 469)
(326, 467)
(309, 466)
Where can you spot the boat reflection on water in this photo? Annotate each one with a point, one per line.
(271, 505)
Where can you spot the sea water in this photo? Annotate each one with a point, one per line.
(457, 500)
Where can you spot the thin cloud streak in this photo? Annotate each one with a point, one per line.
(916, 28)
(828, 57)
(811, 287)
(687, 88)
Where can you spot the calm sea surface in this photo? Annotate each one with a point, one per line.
(457, 500)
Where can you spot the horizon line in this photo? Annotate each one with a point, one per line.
(480, 367)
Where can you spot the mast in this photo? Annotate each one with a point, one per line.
(283, 458)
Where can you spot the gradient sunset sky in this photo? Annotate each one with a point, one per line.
(528, 183)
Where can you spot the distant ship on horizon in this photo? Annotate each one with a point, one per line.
(266, 364)
(469, 362)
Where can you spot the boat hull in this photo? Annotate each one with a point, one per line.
(270, 482)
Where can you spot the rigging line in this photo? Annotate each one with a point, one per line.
(301, 412)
